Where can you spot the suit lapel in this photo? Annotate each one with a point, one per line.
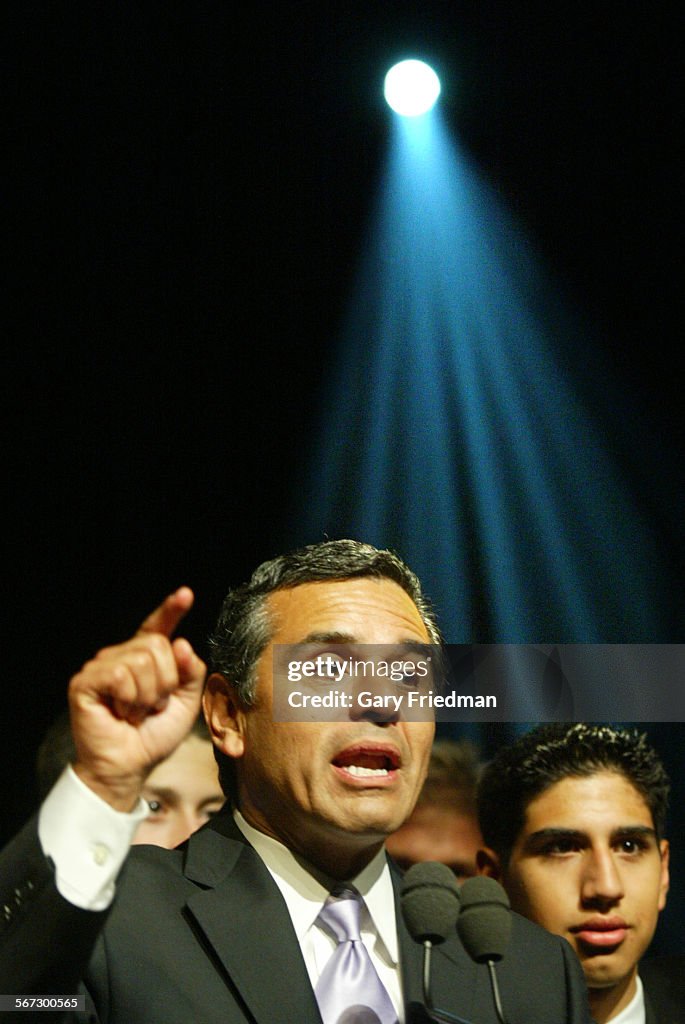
(411, 952)
(247, 925)
(247, 928)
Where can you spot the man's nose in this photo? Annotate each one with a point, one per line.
(602, 882)
(375, 700)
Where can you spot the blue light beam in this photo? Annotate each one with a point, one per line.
(456, 433)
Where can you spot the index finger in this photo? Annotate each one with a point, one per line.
(167, 616)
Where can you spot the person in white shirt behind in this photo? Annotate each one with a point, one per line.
(182, 792)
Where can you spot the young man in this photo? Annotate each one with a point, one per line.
(573, 819)
(243, 923)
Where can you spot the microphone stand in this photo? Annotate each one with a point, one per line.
(495, 992)
(440, 1016)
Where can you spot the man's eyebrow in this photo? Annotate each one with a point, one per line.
(544, 834)
(416, 646)
(634, 830)
(163, 792)
(326, 637)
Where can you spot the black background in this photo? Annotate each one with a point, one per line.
(190, 186)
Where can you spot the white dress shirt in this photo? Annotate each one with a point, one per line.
(634, 1012)
(89, 853)
(306, 894)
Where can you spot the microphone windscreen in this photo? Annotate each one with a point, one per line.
(484, 924)
(430, 902)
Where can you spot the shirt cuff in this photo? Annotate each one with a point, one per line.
(86, 839)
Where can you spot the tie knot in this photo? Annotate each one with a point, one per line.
(340, 913)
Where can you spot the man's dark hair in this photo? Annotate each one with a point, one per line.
(521, 772)
(452, 779)
(245, 627)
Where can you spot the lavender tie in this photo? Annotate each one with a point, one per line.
(349, 990)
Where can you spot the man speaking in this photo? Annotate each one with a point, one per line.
(283, 908)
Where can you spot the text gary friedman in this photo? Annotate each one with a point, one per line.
(411, 700)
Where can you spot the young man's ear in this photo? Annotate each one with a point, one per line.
(665, 880)
(488, 863)
(225, 716)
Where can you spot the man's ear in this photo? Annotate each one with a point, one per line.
(225, 715)
(488, 863)
(664, 880)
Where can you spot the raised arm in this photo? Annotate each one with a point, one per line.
(131, 706)
(133, 703)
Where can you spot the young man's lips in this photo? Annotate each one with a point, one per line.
(601, 932)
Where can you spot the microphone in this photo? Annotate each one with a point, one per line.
(484, 927)
(430, 907)
(430, 902)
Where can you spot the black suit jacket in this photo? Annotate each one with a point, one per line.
(201, 935)
(663, 979)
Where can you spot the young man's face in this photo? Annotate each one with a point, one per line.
(183, 793)
(587, 866)
(438, 832)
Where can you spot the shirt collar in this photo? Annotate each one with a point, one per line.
(634, 1012)
(305, 893)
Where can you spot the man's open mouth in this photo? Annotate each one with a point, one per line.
(363, 761)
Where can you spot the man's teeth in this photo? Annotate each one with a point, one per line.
(355, 769)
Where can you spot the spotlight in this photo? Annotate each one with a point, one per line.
(411, 88)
